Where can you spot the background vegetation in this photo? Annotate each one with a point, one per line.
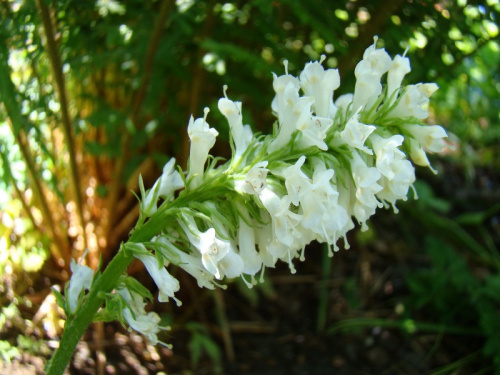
(94, 93)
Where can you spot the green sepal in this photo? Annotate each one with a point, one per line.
(112, 311)
(195, 214)
(386, 106)
(366, 116)
(132, 284)
(183, 176)
(133, 248)
(210, 210)
(60, 300)
(248, 204)
(338, 120)
(163, 251)
(141, 187)
(160, 259)
(297, 153)
(248, 154)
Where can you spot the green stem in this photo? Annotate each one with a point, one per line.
(323, 292)
(106, 282)
(76, 327)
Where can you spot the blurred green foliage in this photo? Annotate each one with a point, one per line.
(450, 292)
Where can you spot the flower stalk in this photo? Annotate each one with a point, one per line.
(329, 165)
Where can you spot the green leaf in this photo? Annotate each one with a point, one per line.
(477, 218)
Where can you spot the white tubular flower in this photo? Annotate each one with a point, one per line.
(252, 262)
(347, 200)
(166, 283)
(170, 179)
(284, 221)
(368, 73)
(202, 140)
(366, 91)
(281, 85)
(365, 180)
(231, 265)
(314, 132)
(297, 182)
(387, 152)
(397, 187)
(418, 155)
(400, 67)
(211, 248)
(430, 137)
(320, 84)
(81, 280)
(398, 172)
(192, 265)
(289, 107)
(169, 182)
(255, 179)
(414, 102)
(375, 61)
(256, 176)
(242, 135)
(355, 134)
(286, 88)
(328, 194)
(137, 318)
(427, 89)
(264, 238)
(321, 212)
(297, 111)
(285, 253)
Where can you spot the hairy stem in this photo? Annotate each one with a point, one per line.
(106, 282)
(76, 327)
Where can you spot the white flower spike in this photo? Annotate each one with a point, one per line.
(326, 166)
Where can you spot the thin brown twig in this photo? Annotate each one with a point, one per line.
(26, 208)
(19, 194)
(55, 62)
(62, 251)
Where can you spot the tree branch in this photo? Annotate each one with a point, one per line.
(18, 192)
(55, 62)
